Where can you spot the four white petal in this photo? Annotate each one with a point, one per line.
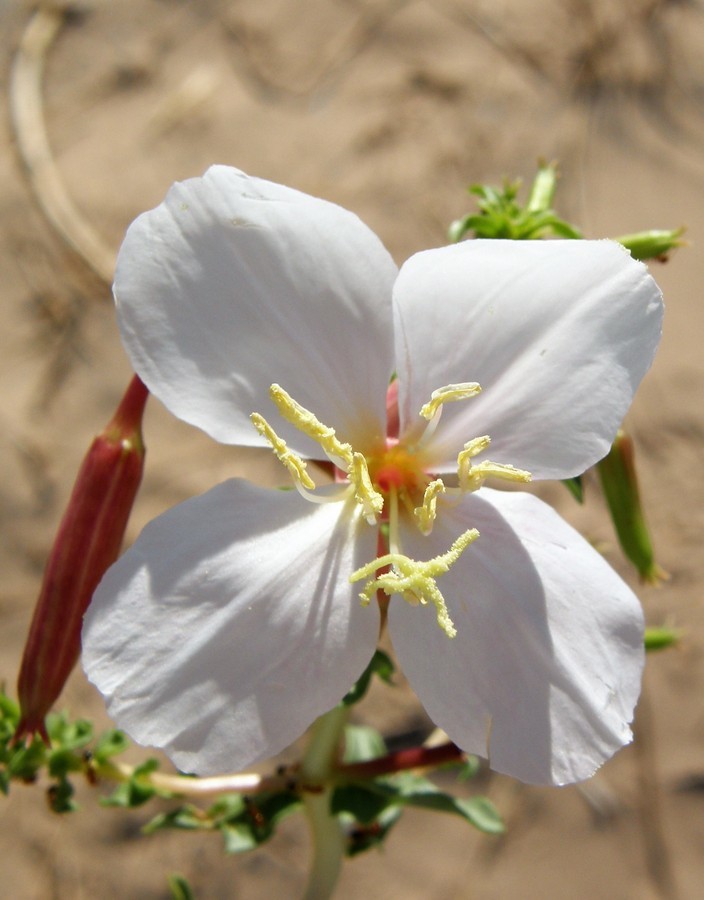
(231, 624)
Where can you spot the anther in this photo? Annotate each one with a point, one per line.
(471, 477)
(308, 424)
(447, 394)
(293, 462)
(426, 513)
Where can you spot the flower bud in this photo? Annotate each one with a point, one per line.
(653, 244)
(619, 481)
(87, 543)
(542, 191)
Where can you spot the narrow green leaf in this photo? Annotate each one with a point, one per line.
(379, 665)
(180, 888)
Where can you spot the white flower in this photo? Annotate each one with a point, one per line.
(232, 623)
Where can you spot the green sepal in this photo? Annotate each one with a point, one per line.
(379, 665)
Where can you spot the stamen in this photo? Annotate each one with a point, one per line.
(447, 394)
(425, 515)
(304, 420)
(432, 410)
(472, 477)
(293, 462)
(371, 501)
(415, 580)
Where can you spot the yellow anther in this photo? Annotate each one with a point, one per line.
(447, 394)
(425, 514)
(471, 477)
(415, 580)
(371, 501)
(308, 424)
(291, 460)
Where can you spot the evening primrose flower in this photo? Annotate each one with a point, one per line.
(270, 318)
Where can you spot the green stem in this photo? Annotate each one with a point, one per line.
(316, 769)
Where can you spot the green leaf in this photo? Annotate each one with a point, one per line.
(365, 837)
(110, 744)
(576, 487)
(24, 763)
(364, 804)
(61, 762)
(68, 735)
(136, 790)
(239, 839)
(414, 790)
(379, 665)
(469, 769)
(246, 822)
(60, 796)
(180, 888)
(185, 818)
(362, 743)
(481, 813)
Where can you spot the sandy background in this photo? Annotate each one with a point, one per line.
(389, 107)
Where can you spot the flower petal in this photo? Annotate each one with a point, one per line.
(230, 625)
(234, 283)
(544, 673)
(558, 333)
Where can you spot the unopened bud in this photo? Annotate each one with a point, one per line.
(542, 191)
(619, 480)
(653, 244)
(87, 543)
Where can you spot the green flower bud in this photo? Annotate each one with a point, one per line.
(653, 244)
(619, 481)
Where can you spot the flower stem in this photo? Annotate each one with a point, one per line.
(316, 769)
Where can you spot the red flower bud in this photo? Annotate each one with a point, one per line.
(87, 543)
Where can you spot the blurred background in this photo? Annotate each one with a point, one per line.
(390, 108)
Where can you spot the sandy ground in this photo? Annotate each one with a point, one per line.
(389, 107)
